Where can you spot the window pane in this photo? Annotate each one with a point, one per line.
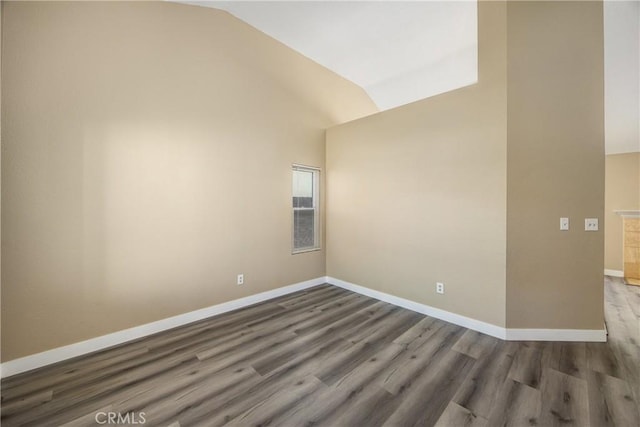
(306, 213)
(302, 189)
(303, 229)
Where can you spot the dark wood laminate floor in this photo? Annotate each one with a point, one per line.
(327, 356)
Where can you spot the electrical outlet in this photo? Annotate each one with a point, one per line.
(240, 280)
(440, 288)
(564, 224)
(591, 224)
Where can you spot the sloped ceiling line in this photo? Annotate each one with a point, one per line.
(397, 51)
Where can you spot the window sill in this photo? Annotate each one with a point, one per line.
(302, 251)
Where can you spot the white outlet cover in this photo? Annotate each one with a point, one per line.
(564, 224)
(591, 224)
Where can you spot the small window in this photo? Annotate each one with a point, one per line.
(306, 209)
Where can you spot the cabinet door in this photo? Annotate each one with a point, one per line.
(632, 250)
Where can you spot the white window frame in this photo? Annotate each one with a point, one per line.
(316, 208)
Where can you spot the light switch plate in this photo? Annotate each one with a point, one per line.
(591, 224)
(564, 224)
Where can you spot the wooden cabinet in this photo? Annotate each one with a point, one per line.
(632, 250)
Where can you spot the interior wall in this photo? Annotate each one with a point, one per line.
(146, 161)
(622, 192)
(417, 194)
(1, 18)
(555, 165)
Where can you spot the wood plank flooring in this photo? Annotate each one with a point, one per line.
(326, 356)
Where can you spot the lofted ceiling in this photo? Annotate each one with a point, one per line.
(397, 51)
(403, 51)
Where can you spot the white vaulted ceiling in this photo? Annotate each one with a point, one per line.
(403, 51)
(397, 51)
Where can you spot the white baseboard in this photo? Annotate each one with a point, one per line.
(582, 335)
(587, 335)
(34, 361)
(447, 316)
(59, 354)
(614, 273)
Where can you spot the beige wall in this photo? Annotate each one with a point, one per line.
(146, 152)
(555, 165)
(434, 192)
(622, 192)
(418, 194)
(146, 161)
(1, 149)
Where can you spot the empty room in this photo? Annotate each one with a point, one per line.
(335, 213)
